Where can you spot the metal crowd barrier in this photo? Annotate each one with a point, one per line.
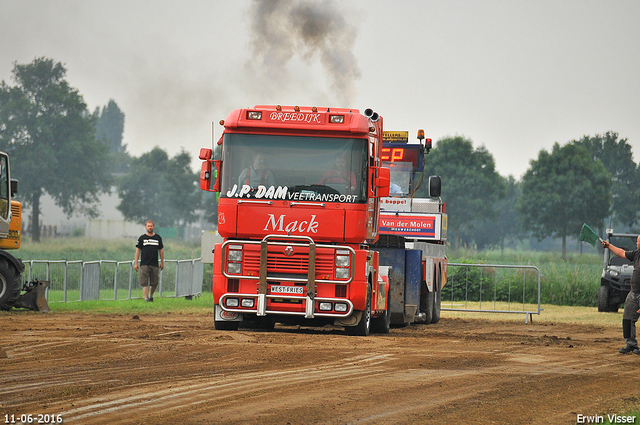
(112, 280)
(492, 288)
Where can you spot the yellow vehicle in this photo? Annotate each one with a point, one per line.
(11, 267)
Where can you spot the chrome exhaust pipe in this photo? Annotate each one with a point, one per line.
(371, 114)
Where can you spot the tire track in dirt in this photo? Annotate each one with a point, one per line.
(186, 395)
(362, 370)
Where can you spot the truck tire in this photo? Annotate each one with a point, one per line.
(364, 327)
(224, 325)
(603, 299)
(437, 299)
(382, 324)
(613, 308)
(265, 323)
(9, 285)
(426, 304)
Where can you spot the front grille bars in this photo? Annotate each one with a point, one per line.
(263, 277)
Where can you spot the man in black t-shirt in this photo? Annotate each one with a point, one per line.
(148, 247)
(632, 303)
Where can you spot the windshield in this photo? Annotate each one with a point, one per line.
(626, 243)
(294, 168)
(400, 178)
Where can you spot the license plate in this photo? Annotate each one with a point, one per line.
(287, 290)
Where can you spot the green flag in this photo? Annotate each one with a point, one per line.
(588, 235)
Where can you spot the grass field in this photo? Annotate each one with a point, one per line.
(90, 249)
(574, 281)
(199, 305)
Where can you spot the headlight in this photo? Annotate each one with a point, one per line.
(235, 255)
(342, 273)
(234, 258)
(231, 302)
(234, 268)
(247, 302)
(343, 261)
(343, 264)
(325, 306)
(613, 273)
(341, 307)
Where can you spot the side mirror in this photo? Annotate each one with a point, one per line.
(435, 186)
(384, 180)
(209, 175)
(205, 175)
(205, 154)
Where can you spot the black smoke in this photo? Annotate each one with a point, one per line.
(283, 30)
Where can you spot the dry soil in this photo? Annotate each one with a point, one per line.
(176, 369)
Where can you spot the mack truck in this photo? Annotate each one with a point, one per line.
(300, 192)
(11, 267)
(413, 232)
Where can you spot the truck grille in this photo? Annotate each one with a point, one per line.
(295, 264)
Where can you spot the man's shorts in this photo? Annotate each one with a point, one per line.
(149, 275)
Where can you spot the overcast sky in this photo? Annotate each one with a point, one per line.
(514, 76)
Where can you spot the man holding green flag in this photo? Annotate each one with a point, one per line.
(632, 303)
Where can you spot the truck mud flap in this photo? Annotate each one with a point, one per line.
(34, 296)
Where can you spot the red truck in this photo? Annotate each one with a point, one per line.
(299, 210)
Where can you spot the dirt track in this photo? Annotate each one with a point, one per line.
(109, 369)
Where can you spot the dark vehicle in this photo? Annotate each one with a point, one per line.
(615, 282)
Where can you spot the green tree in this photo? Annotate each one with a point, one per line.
(470, 184)
(504, 226)
(46, 128)
(160, 188)
(508, 224)
(110, 128)
(110, 125)
(617, 158)
(562, 190)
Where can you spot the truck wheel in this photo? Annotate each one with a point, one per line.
(223, 325)
(382, 324)
(9, 285)
(426, 304)
(603, 298)
(364, 327)
(437, 299)
(266, 323)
